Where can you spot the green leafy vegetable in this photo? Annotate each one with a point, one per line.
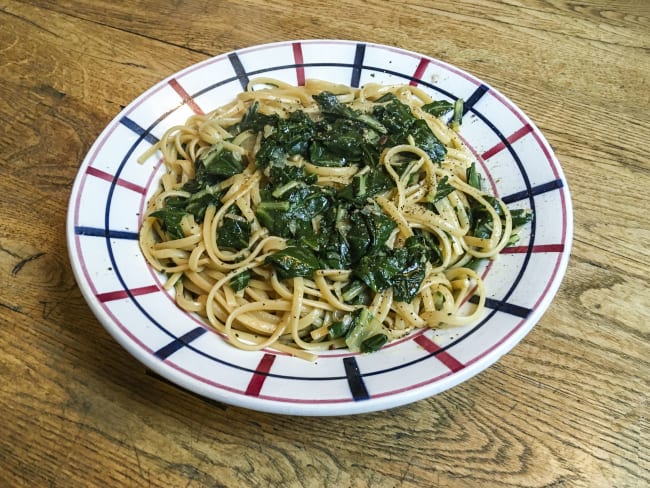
(425, 246)
(367, 185)
(293, 261)
(291, 216)
(392, 268)
(334, 251)
(234, 233)
(253, 120)
(363, 326)
(443, 189)
(520, 217)
(198, 203)
(403, 269)
(438, 108)
(170, 219)
(457, 118)
(401, 123)
(330, 105)
(240, 281)
(373, 343)
(356, 292)
(290, 137)
(218, 161)
(283, 175)
(371, 231)
(427, 141)
(474, 177)
(341, 327)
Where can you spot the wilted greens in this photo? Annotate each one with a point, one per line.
(329, 226)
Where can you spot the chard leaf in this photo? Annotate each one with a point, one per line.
(341, 142)
(482, 228)
(367, 185)
(330, 105)
(425, 246)
(520, 216)
(427, 141)
(370, 232)
(443, 189)
(291, 216)
(335, 252)
(395, 115)
(234, 234)
(357, 293)
(170, 220)
(293, 261)
(271, 214)
(403, 269)
(340, 328)
(221, 162)
(373, 343)
(381, 226)
(474, 177)
(457, 118)
(270, 154)
(438, 108)
(494, 203)
(401, 123)
(321, 156)
(406, 283)
(295, 133)
(364, 325)
(343, 138)
(291, 136)
(240, 282)
(281, 175)
(378, 270)
(306, 203)
(198, 203)
(254, 120)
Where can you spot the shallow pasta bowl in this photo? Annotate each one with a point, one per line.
(111, 190)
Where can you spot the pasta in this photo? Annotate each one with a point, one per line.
(323, 216)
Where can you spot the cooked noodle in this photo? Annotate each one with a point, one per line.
(294, 315)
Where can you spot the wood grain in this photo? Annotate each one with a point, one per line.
(567, 407)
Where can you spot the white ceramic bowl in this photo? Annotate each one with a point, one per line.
(111, 189)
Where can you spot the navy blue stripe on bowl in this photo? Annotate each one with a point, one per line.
(357, 67)
(474, 98)
(355, 379)
(107, 233)
(505, 307)
(179, 342)
(531, 192)
(240, 71)
(135, 127)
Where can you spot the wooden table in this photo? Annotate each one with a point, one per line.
(567, 407)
